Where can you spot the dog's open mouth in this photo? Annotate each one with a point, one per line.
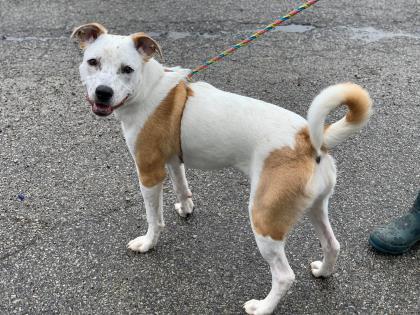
(104, 109)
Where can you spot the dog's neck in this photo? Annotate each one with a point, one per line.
(155, 84)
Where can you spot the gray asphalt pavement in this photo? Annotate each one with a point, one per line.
(63, 248)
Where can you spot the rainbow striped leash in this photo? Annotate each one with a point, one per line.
(248, 40)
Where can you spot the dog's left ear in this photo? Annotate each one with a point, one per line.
(146, 45)
(88, 33)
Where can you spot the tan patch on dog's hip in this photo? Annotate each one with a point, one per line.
(281, 195)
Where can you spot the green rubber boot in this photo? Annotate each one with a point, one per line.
(399, 235)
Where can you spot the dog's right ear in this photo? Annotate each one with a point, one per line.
(88, 33)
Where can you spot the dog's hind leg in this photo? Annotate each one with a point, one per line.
(318, 215)
(279, 196)
(176, 170)
(153, 202)
(281, 273)
(276, 205)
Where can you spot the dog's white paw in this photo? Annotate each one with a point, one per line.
(318, 269)
(141, 244)
(185, 207)
(258, 307)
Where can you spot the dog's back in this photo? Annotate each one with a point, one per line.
(221, 129)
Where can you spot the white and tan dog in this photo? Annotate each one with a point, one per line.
(168, 122)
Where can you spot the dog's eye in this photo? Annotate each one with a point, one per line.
(92, 62)
(127, 69)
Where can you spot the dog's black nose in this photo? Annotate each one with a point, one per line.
(103, 93)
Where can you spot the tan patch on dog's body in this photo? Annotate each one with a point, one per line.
(359, 103)
(281, 195)
(159, 139)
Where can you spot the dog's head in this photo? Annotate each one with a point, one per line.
(112, 65)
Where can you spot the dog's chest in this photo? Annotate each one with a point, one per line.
(158, 137)
(152, 115)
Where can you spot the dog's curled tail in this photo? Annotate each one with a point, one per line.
(359, 110)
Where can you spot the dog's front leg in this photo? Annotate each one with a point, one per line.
(176, 170)
(153, 202)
